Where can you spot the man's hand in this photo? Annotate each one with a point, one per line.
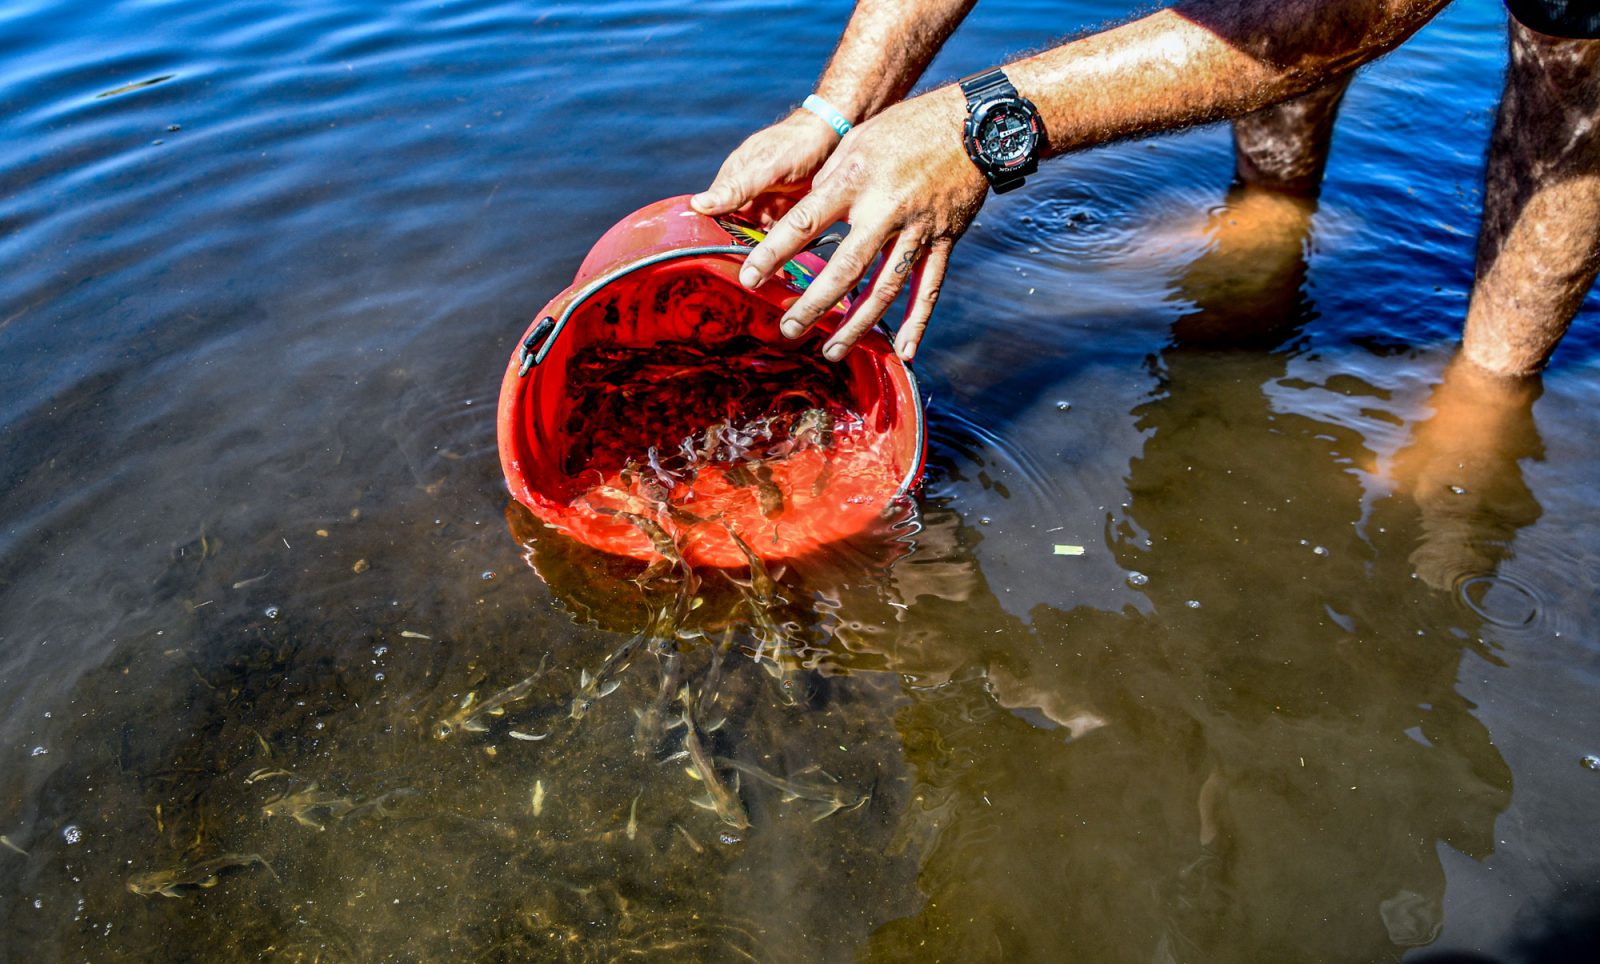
(766, 174)
(906, 186)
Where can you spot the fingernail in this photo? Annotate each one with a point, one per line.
(749, 277)
(792, 328)
(835, 352)
(702, 200)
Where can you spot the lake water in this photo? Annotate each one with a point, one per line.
(1319, 687)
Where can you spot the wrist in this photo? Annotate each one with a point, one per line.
(830, 115)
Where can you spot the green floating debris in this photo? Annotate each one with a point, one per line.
(1065, 550)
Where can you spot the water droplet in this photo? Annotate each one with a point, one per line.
(1138, 578)
(38, 751)
(487, 575)
(729, 837)
(1193, 604)
(985, 520)
(174, 128)
(71, 834)
(1592, 762)
(1320, 550)
(378, 677)
(38, 904)
(1458, 490)
(272, 612)
(379, 650)
(1063, 406)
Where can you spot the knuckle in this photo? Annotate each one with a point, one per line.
(882, 295)
(850, 263)
(802, 219)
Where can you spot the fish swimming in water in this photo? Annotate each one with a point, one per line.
(202, 875)
(722, 799)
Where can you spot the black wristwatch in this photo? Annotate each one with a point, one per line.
(1003, 130)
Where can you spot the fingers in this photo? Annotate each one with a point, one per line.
(892, 275)
(843, 270)
(925, 286)
(730, 191)
(806, 220)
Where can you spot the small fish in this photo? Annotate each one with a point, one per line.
(712, 681)
(768, 495)
(723, 800)
(633, 816)
(538, 797)
(201, 875)
(251, 581)
(832, 796)
(590, 685)
(693, 843)
(265, 773)
(6, 842)
(469, 715)
(377, 806)
(763, 587)
(303, 804)
(408, 634)
(527, 737)
(664, 545)
(651, 719)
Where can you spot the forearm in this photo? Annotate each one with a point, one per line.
(1205, 60)
(885, 48)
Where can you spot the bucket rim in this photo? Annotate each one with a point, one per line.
(546, 330)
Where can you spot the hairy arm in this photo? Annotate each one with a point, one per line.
(886, 46)
(906, 186)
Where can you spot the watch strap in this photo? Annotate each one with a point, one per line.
(987, 83)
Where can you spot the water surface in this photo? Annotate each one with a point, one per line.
(1319, 686)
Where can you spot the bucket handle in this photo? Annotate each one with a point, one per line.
(545, 333)
(549, 328)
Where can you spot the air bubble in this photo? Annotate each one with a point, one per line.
(272, 612)
(1138, 578)
(72, 834)
(1591, 762)
(1063, 406)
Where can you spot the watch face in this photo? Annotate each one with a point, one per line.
(1007, 134)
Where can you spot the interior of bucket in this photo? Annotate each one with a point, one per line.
(670, 407)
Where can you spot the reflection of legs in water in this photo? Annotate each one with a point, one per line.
(1539, 246)
(1461, 466)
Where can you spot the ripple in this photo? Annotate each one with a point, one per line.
(1500, 600)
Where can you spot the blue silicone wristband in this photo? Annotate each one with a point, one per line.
(827, 112)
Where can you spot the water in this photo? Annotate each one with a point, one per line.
(254, 320)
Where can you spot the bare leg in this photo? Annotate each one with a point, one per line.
(1539, 247)
(1285, 147)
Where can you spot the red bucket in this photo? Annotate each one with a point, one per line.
(659, 294)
